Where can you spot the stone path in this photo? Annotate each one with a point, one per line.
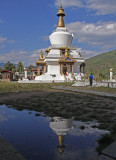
(85, 91)
(7, 152)
(103, 157)
(110, 151)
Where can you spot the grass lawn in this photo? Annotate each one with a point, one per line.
(16, 87)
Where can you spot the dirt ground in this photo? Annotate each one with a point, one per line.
(66, 104)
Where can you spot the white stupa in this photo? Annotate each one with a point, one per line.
(62, 62)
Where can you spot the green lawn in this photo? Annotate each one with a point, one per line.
(16, 87)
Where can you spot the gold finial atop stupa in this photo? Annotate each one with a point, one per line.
(60, 14)
(41, 55)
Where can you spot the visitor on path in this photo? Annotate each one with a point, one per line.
(91, 79)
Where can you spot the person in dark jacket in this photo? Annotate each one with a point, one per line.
(91, 79)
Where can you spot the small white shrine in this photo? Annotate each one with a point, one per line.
(62, 62)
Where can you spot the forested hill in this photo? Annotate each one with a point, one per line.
(101, 63)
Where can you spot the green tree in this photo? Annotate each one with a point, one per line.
(30, 67)
(9, 66)
(1, 69)
(13, 68)
(20, 66)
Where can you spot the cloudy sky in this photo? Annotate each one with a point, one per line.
(25, 26)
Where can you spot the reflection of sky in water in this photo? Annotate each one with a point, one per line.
(36, 137)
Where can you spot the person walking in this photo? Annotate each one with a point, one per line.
(91, 79)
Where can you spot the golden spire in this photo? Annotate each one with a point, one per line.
(41, 55)
(66, 52)
(60, 14)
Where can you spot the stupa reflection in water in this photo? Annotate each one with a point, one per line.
(60, 126)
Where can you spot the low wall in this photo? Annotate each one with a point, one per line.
(38, 81)
(105, 84)
(96, 84)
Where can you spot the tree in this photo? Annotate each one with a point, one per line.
(9, 66)
(20, 66)
(30, 67)
(1, 69)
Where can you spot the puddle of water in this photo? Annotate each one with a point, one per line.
(44, 138)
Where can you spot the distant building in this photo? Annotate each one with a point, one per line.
(7, 75)
(34, 71)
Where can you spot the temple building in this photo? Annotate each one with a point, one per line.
(61, 62)
(7, 75)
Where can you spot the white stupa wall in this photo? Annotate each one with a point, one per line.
(76, 68)
(61, 38)
(54, 69)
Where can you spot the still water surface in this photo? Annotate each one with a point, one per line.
(38, 137)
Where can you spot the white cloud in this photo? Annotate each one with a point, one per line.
(88, 53)
(11, 41)
(101, 7)
(1, 21)
(2, 46)
(68, 3)
(102, 34)
(4, 42)
(45, 38)
(26, 57)
(2, 39)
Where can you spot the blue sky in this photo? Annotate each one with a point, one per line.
(25, 26)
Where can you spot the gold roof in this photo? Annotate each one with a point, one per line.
(66, 52)
(60, 14)
(66, 58)
(41, 59)
(47, 50)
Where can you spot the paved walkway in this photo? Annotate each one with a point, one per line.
(109, 153)
(85, 91)
(7, 152)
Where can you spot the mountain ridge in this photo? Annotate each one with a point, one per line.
(101, 64)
